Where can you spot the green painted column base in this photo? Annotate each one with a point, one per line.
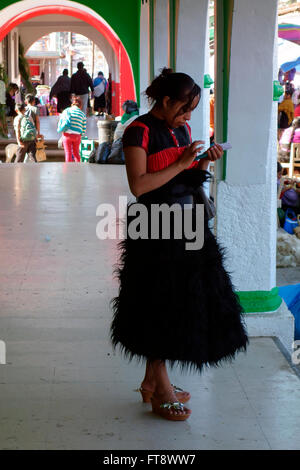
(260, 300)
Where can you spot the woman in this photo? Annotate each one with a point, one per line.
(289, 192)
(61, 89)
(131, 112)
(174, 304)
(285, 113)
(292, 133)
(296, 101)
(10, 101)
(100, 85)
(73, 125)
(289, 135)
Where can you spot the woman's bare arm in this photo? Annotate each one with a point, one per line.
(140, 181)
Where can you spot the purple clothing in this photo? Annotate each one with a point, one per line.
(290, 197)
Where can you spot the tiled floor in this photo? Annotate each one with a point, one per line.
(63, 387)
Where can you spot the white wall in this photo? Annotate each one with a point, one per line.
(160, 35)
(193, 57)
(246, 217)
(144, 56)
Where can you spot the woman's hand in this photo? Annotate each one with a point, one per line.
(188, 156)
(213, 153)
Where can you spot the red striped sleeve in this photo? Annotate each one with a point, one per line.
(136, 135)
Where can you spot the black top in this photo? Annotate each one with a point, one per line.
(162, 144)
(81, 82)
(10, 104)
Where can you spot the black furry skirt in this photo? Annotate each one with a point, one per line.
(176, 304)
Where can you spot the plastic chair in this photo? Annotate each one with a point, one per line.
(86, 147)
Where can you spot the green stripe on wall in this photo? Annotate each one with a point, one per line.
(260, 301)
(152, 5)
(224, 15)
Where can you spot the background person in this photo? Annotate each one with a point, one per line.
(24, 146)
(292, 133)
(74, 130)
(81, 82)
(290, 195)
(10, 99)
(174, 304)
(62, 90)
(131, 112)
(100, 86)
(285, 113)
(289, 136)
(33, 113)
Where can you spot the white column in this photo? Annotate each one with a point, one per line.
(193, 57)
(246, 200)
(53, 72)
(144, 56)
(13, 56)
(16, 54)
(161, 28)
(47, 72)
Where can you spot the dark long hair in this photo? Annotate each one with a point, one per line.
(178, 86)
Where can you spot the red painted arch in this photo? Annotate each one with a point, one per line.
(126, 89)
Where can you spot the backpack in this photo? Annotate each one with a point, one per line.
(65, 121)
(102, 152)
(92, 157)
(31, 113)
(27, 130)
(116, 155)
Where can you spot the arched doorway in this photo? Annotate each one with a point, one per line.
(123, 87)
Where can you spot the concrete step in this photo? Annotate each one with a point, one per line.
(53, 153)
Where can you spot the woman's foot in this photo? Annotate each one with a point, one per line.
(167, 406)
(147, 390)
(164, 401)
(156, 375)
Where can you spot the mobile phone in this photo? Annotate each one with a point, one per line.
(224, 145)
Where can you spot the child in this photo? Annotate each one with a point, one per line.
(32, 113)
(25, 144)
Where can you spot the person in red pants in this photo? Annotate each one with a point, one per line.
(73, 124)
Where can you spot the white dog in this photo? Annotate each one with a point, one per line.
(10, 152)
